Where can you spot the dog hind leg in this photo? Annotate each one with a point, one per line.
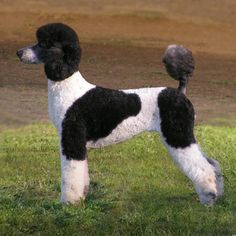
(205, 176)
(177, 132)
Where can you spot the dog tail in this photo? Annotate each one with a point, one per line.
(179, 64)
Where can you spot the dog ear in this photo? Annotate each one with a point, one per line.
(59, 69)
(72, 54)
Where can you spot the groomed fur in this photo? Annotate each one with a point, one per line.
(177, 118)
(179, 64)
(58, 48)
(90, 116)
(93, 116)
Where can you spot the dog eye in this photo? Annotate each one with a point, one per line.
(43, 45)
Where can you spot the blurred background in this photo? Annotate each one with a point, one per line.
(122, 45)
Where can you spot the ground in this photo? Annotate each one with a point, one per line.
(146, 196)
(122, 48)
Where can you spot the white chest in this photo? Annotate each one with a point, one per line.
(61, 95)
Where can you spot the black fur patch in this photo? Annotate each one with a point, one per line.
(60, 50)
(94, 116)
(177, 118)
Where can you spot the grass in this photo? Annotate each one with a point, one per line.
(135, 189)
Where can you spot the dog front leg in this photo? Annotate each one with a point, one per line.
(74, 164)
(74, 179)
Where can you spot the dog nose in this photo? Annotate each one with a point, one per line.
(19, 53)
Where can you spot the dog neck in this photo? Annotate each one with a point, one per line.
(62, 94)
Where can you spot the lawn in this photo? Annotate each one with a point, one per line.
(135, 188)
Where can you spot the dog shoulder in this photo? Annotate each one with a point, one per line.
(102, 110)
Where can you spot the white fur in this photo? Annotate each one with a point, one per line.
(61, 95)
(196, 167)
(75, 176)
(74, 179)
(148, 119)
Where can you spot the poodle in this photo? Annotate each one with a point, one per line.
(86, 115)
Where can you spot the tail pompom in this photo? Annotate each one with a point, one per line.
(179, 64)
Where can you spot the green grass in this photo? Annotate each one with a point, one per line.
(135, 189)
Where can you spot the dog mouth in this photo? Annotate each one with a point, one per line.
(29, 55)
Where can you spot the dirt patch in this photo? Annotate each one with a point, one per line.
(23, 88)
(127, 29)
(122, 48)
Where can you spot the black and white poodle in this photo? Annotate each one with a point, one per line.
(87, 115)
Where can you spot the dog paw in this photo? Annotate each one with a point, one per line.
(212, 187)
(208, 198)
(219, 180)
(72, 194)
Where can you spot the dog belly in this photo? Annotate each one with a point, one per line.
(126, 130)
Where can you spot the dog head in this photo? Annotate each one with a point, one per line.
(57, 47)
